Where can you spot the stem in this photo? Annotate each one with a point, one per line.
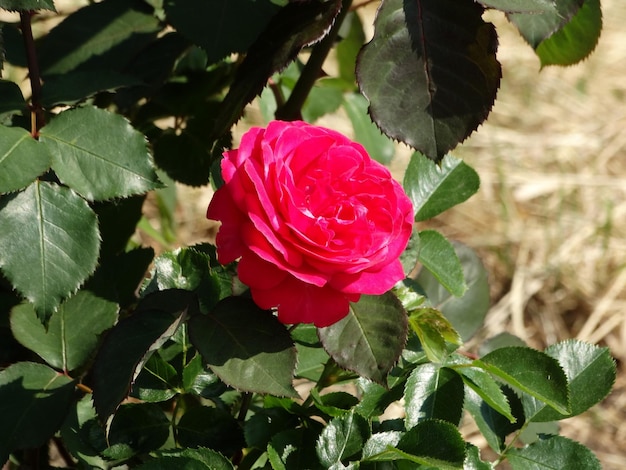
(246, 400)
(292, 109)
(36, 109)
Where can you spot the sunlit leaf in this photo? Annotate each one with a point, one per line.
(342, 438)
(438, 256)
(553, 452)
(537, 27)
(22, 159)
(435, 333)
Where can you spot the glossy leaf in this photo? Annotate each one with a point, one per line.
(439, 257)
(590, 372)
(311, 354)
(435, 188)
(519, 6)
(435, 333)
(91, 32)
(72, 332)
(128, 346)
(26, 5)
(553, 452)
(433, 392)
(210, 427)
(535, 28)
(99, 154)
(494, 426)
(473, 461)
(48, 243)
(246, 347)
(380, 442)
(532, 372)
(34, 399)
(430, 73)
(22, 159)
(189, 459)
(380, 147)
(375, 398)
(342, 438)
(198, 379)
(158, 381)
(466, 313)
(576, 40)
(294, 448)
(370, 338)
(334, 404)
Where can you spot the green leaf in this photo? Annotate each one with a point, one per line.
(246, 347)
(22, 159)
(157, 381)
(11, 98)
(590, 372)
(92, 31)
(265, 423)
(294, 26)
(430, 73)
(118, 221)
(535, 28)
(352, 39)
(466, 313)
(136, 428)
(342, 438)
(377, 144)
(189, 459)
(435, 188)
(438, 256)
(519, 6)
(26, 5)
(311, 354)
(71, 88)
(48, 243)
(380, 442)
(532, 372)
(473, 461)
(576, 40)
(129, 345)
(196, 166)
(211, 24)
(375, 398)
(99, 154)
(204, 426)
(34, 399)
(73, 330)
(198, 379)
(125, 273)
(369, 340)
(434, 332)
(334, 404)
(433, 392)
(494, 426)
(553, 452)
(294, 448)
(324, 98)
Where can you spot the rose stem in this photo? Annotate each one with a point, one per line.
(36, 108)
(292, 109)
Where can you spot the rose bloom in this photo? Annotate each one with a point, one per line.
(314, 220)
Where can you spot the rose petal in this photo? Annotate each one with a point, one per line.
(369, 282)
(229, 240)
(259, 274)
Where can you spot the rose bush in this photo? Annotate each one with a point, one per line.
(314, 220)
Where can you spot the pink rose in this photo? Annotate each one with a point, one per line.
(314, 220)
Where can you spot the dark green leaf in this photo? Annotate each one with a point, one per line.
(535, 28)
(369, 340)
(194, 169)
(157, 381)
(433, 392)
(210, 24)
(73, 330)
(294, 26)
(22, 159)
(430, 72)
(189, 459)
(466, 313)
(576, 40)
(200, 380)
(439, 257)
(590, 372)
(71, 88)
(26, 5)
(99, 154)
(129, 344)
(33, 402)
(11, 98)
(136, 428)
(265, 423)
(409, 258)
(375, 398)
(532, 372)
(294, 448)
(434, 332)
(311, 354)
(377, 144)
(210, 427)
(342, 438)
(92, 31)
(125, 273)
(118, 220)
(553, 452)
(48, 243)
(518, 6)
(334, 404)
(494, 426)
(435, 188)
(473, 461)
(246, 347)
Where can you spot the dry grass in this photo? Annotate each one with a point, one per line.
(550, 218)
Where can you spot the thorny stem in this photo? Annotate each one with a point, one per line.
(36, 109)
(292, 109)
